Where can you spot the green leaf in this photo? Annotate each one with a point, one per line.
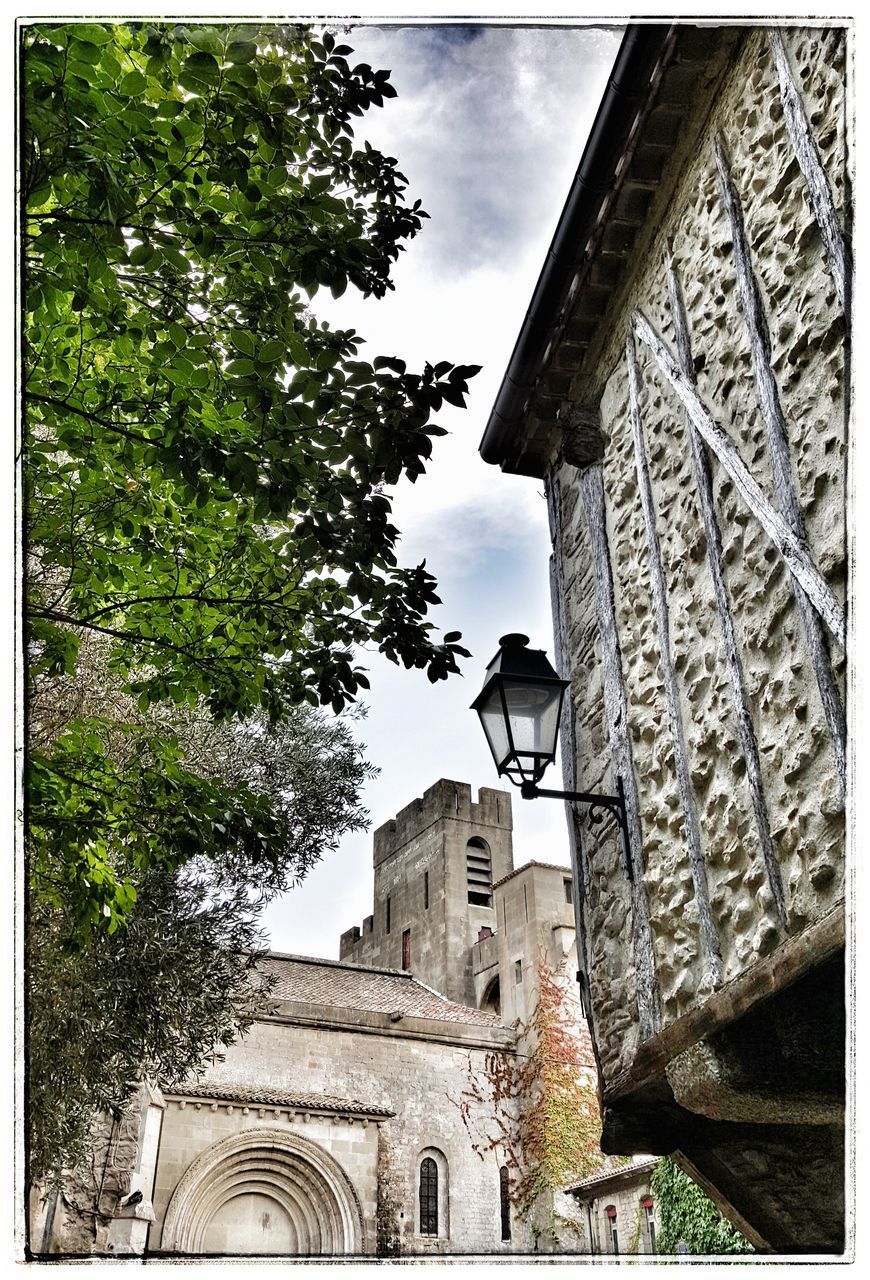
(141, 255)
(272, 352)
(203, 67)
(243, 341)
(133, 83)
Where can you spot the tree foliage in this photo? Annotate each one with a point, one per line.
(207, 521)
(205, 463)
(688, 1216)
(162, 990)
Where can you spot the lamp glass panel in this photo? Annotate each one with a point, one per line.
(533, 713)
(493, 721)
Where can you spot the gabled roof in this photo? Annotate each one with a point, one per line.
(349, 986)
(613, 1170)
(547, 866)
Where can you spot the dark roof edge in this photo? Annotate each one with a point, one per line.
(340, 964)
(626, 92)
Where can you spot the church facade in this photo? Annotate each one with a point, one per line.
(353, 1119)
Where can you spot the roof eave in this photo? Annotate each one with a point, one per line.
(627, 89)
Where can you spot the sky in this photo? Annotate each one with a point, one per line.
(488, 126)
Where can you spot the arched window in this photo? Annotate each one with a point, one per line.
(432, 1200)
(428, 1197)
(479, 872)
(614, 1235)
(504, 1180)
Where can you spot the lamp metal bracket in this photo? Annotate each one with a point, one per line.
(596, 802)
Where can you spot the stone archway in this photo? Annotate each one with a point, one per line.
(264, 1191)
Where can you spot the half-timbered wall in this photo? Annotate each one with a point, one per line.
(739, 783)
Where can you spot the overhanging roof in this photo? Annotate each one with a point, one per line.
(639, 125)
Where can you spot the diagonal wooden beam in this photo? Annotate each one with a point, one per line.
(709, 938)
(616, 712)
(792, 548)
(703, 479)
(819, 192)
(758, 333)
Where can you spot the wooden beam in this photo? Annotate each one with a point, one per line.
(725, 1207)
(792, 960)
(703, 480)
(819, 194)
(616, 711)
(792, 549)
(755, 320)
(579, 861)
(709, 938)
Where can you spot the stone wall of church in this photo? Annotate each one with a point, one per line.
(798, 766)
(424, 1082)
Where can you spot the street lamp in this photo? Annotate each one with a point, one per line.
(519, 708)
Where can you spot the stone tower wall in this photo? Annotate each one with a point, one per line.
(429, 837)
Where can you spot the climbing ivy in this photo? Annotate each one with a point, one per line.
(688, 1216)
(542, 1109)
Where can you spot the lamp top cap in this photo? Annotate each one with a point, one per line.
(514, 640)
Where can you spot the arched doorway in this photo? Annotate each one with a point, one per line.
(264, 1191)
(490, 1001)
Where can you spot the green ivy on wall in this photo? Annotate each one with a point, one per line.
(687, 1216)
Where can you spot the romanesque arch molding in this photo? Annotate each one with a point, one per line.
(304, 1193)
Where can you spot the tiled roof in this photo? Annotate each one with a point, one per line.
(614, 1167)
(273, 1098)
(548, 866)
(351, 986)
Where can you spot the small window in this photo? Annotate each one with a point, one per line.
(505, 1201)
(428, 1197)
(406, 949)
(518, 972)
(569, 896)
(425, 890)
(614, 1234)
(388, 915)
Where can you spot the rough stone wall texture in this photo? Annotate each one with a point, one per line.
(420, 1080)
(797, 759)
(430, 836)
(90, 1195)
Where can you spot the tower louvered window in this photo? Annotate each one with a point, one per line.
(428, 1197)
(479, 872)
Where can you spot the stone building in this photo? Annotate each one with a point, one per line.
(681, 386)
(344, 1123)
(620, 1214)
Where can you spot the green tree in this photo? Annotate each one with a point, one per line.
(205, 464)
(206, 469)
(687, 1215)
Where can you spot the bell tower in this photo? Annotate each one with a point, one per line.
(435, 866)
